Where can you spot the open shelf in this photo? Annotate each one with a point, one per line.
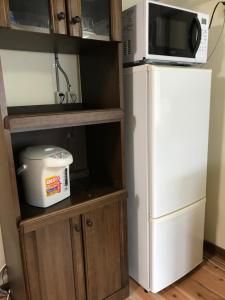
(82, 192)
(31, 122)
(96, 171)
(44, 42)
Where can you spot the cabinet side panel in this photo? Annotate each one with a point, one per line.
(124, 248)
(9, 206)
(137, 134)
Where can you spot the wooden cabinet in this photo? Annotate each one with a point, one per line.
(96, 19)
(77, 248)
(79, 257)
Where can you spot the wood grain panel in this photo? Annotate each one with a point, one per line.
(100, 80)
(173, 293)
(4, 13)
(50, 218)
(116, 20)
(30, 256)
(21, 123)
(78, 258)
(124, 243)
(73, 10)
(119, 295)
(205, 282)
(215, 284)
(49, 262)
(59, 25)
(195, 290)
(9, 204)
(103, 251)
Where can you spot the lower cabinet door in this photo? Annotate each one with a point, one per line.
(102, 229)
(48, 262)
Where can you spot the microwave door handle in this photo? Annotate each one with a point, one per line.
(196, 43)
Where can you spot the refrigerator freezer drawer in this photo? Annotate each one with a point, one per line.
(176, 245)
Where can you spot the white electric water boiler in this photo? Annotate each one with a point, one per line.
(45, 174)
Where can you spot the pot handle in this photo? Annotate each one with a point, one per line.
(21, 169)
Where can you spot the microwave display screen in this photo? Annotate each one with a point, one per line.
(171, 33)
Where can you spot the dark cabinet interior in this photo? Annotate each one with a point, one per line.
(97, 167)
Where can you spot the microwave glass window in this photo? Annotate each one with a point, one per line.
(96, 19)
(30, 15)
(171, 31)
(165, 36)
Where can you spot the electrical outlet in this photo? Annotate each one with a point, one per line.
(71, 97)
(60, 97)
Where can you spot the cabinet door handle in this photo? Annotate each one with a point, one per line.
(75, 20)
(61, 16)
(89, 223)
(77, 227)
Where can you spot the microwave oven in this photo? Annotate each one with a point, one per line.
(158, 33)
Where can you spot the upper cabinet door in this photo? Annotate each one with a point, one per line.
(95, 19)
(59, 16)
(43, 16)
(74, 17)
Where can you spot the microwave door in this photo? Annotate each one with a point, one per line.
(172, 32)
(195, 35)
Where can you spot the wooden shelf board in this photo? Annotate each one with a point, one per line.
(80, 201)
(31, 122)
(43, 42)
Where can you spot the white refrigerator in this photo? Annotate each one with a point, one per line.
(167, 124)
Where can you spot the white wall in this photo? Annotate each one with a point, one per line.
(215, 210)
(29, 79)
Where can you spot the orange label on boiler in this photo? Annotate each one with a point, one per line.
(53, 185)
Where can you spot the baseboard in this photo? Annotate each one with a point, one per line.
(213, 249)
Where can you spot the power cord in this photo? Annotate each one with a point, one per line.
(220, 2)
(4, 293)
(222, 30)
(217, 43)
(2, 272)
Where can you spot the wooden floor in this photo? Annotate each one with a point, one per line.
(206, 282)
